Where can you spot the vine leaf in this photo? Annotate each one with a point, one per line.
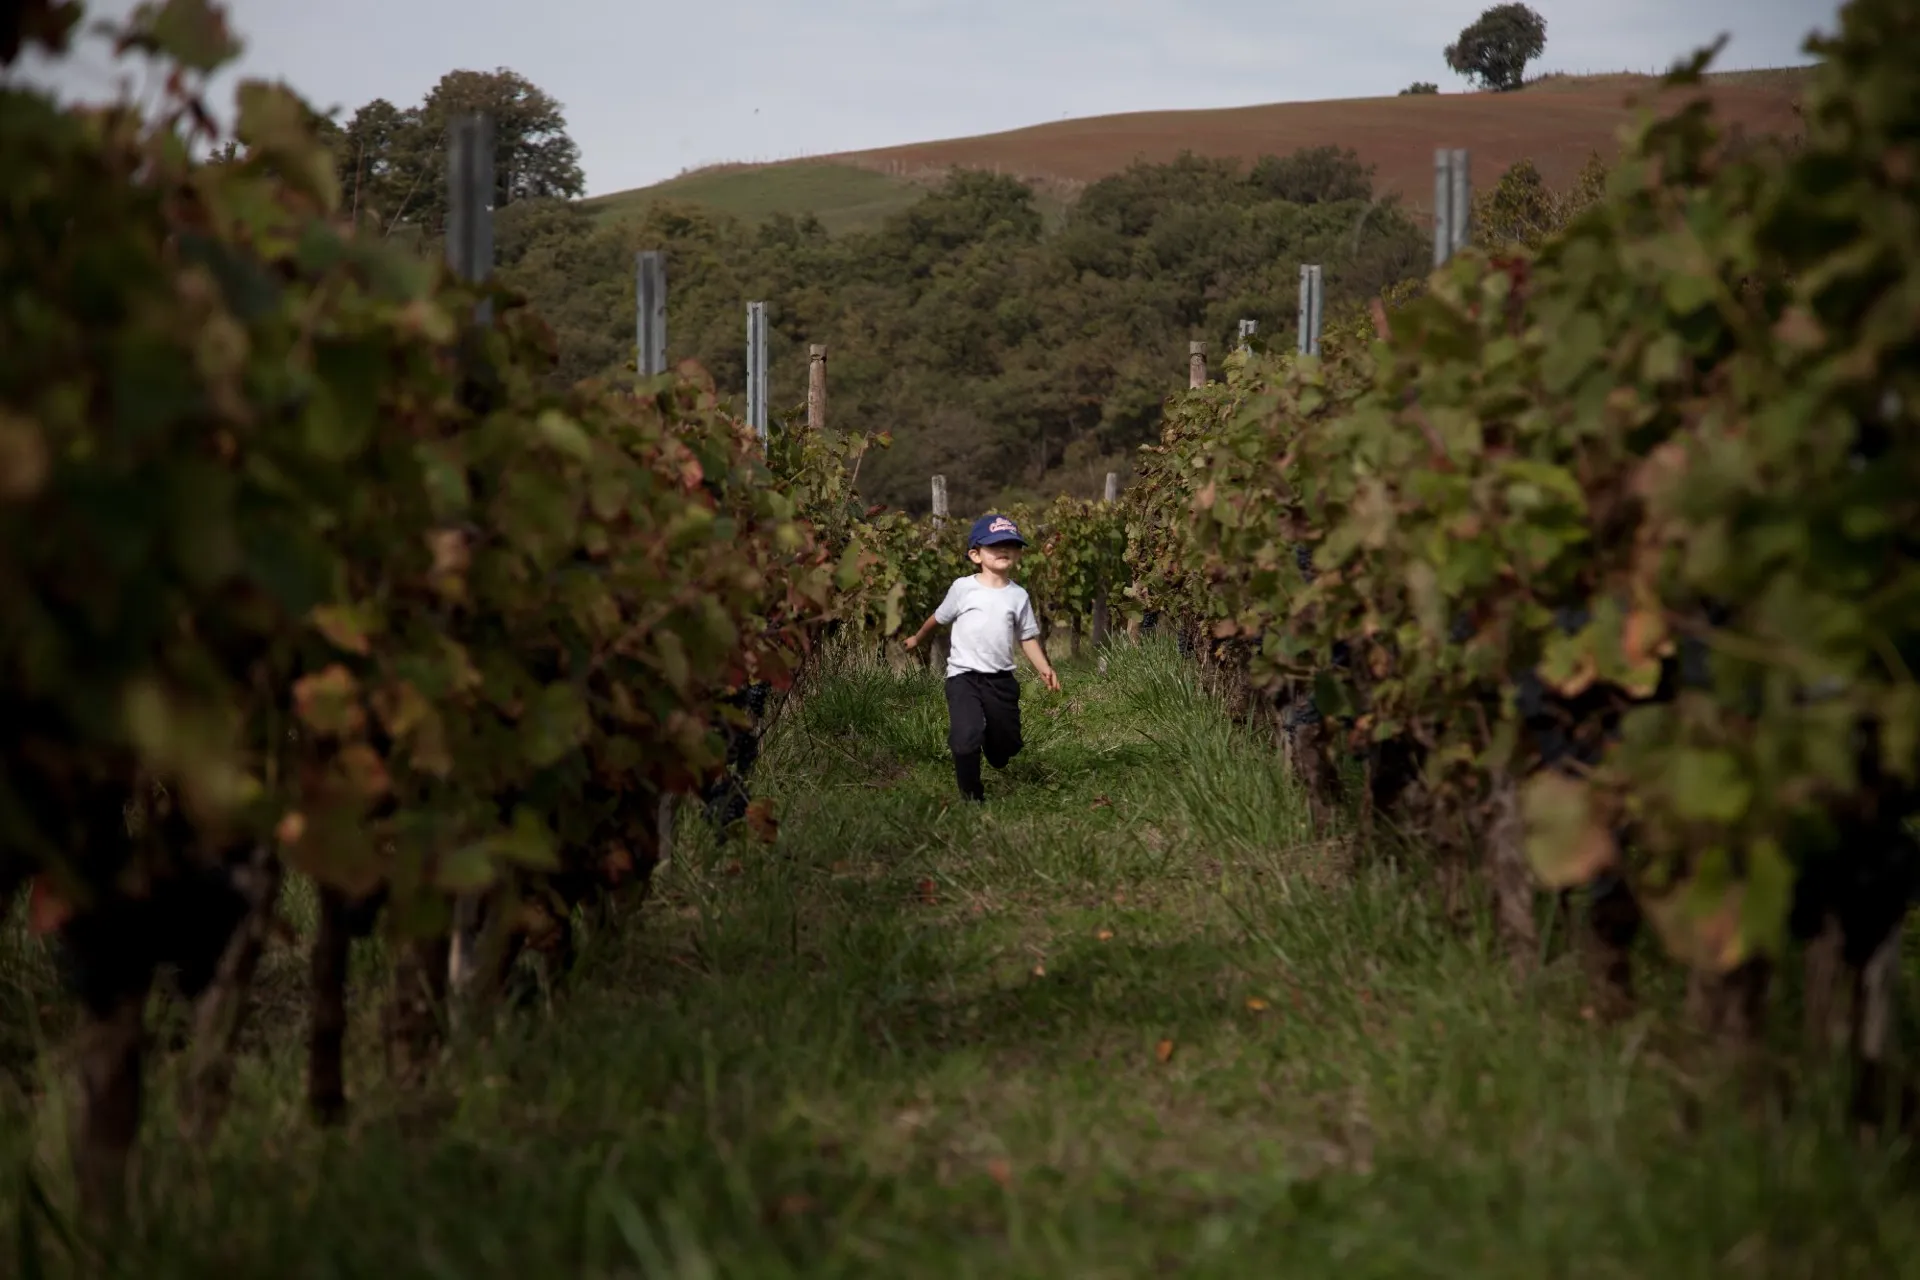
(1568, 839)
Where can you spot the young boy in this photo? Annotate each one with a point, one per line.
(987, 610)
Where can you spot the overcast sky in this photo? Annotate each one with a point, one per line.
(651, 88)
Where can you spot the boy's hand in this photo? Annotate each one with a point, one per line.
(1037, 655)
(926, 629)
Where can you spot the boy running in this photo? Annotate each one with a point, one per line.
(987, 610)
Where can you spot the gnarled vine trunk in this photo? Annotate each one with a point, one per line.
(221, 1009)
(413, 1021)
(327, 1010)
(1508, 875)
(108, 1058)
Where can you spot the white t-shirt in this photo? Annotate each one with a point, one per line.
(988, 622)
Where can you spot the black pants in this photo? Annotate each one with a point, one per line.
(983, 716)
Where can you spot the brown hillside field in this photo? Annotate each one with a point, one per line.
(1554, 123)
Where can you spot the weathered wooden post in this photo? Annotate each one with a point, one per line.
(1319, 312)
(470, 191)
(470, 201)
(1196, 365)
(1461, 224)
(1311, 307)
(817, 387)
(936, 653)
(650, 312)
(1452, 203)
(757, 369)
(1109, 495)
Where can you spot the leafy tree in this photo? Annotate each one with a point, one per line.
(1495, 50)
(1522, 211)
(1314, 175)
(1419, 87)
(972, 207)
(533, 155)
(525, 223)
(392, 162)
(377, 180)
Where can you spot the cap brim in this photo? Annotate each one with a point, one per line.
(1001, 540)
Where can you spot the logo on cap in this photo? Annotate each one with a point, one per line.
(990, 529)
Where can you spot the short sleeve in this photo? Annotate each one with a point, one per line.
(950, 607)
(1028, 623)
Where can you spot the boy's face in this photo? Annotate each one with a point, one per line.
(1000, 558)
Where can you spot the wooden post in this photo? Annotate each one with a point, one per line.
(1110, 494)
(650, 303)
(936, 653)
(470, 201)
(1317, 311)
(470, 193)
(1460, 225)
(1452, 203)
(1311, 304)
(817, 387)
(757, 369)
(1303, 338)
(1196, 365)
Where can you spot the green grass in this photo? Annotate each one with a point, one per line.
(844, 197)
(920, 1039)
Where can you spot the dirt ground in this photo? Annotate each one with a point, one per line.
(1555, 124)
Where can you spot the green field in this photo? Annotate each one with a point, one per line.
(843, 197)
(1130, 1019)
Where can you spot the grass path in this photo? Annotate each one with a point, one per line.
(1128, 1020)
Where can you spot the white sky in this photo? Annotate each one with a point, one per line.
(651, 87)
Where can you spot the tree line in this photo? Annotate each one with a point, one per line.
(1016, 359)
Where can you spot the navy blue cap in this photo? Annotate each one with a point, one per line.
(989, 531)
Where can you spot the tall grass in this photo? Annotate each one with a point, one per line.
(1126, 1019)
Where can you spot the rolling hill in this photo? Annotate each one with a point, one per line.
(845, 197)
(1555, 122)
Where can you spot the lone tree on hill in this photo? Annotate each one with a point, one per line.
(1495, 50)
